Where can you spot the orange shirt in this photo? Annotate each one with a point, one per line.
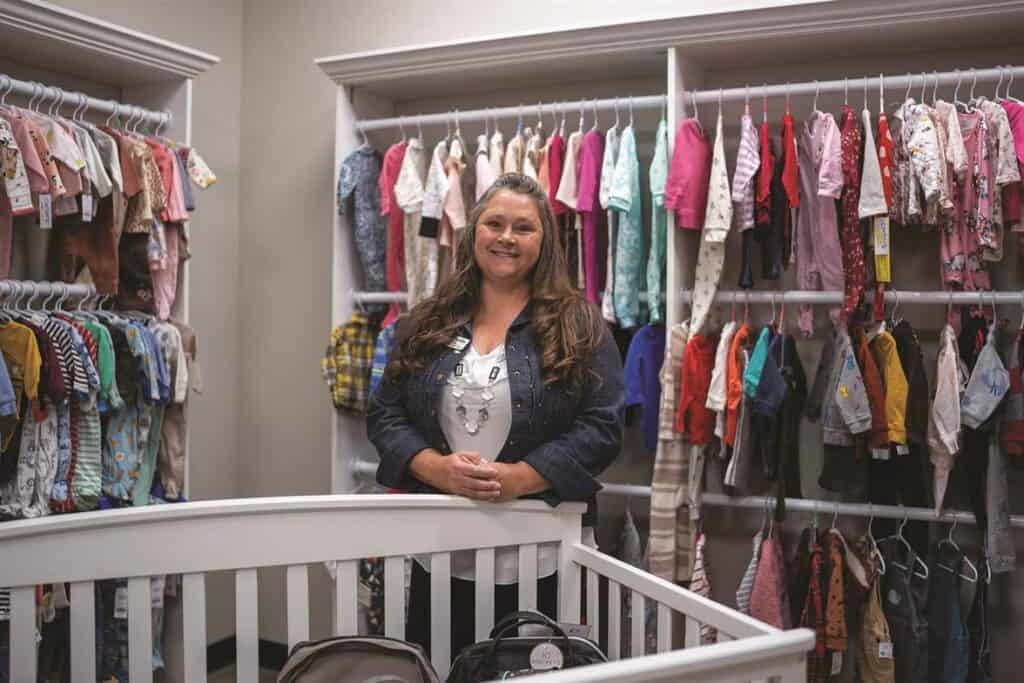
(734, 383)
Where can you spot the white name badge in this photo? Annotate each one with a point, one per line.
(458, 343)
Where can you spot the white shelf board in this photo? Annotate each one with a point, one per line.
(61, 40)
(778, 32)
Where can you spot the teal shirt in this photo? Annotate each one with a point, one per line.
(752, 375)
(657, 175)
(625, 199)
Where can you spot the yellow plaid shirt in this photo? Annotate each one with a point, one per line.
(347, 362)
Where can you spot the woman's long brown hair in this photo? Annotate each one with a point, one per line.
(566, 327)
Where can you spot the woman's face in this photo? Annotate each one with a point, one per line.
(509, 235)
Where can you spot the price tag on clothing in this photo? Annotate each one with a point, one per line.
(902, 449)
(121, 603)
(156, 591)
(885, 650)
(45, 211)
(837, 663)
(880, 453)
(88, 210)
(883, 270)
(365, 595)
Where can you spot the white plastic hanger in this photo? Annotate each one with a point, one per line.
(629, 103)
(814, 106)
(948, 540)
(935, 89)
(853, 562)
(1002, 74)
(910, 84)
(746, 100)
(616, 106)
(1010, 85)
(923, 573)
(764, 103)
(881, 93)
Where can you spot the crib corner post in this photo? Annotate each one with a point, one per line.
(569, 578)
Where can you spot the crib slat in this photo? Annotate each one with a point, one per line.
(528, 576)
(247, 617)
(346, 599)
(140, 629)
(193, 604)
(23, 634)
(692, 633)
(484, 592)
(440, 612)
(298, 605)
(83, 632)
(394, 597)
(638, 626)
(593, 605)
(664, 628)
(614, 620)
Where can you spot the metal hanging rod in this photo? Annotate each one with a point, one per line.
(855, 84)
(401, 297)
(379, 297)
(798, 296)
(966, 77)
(793, 296)
(35, 289)
(819, 506)
(369, 470)
(524, 111)
(52, 94)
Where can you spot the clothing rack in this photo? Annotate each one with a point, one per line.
(892, 296)
(369, 470)
(793, 296)
(966, 77)
(818, 506)
(33, 288)
(621, 104)
(969, 76)
(33, 89)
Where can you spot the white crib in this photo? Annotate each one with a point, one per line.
(244, 535)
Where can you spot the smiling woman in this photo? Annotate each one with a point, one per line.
(505, 384)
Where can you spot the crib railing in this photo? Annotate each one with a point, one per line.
(244, 535)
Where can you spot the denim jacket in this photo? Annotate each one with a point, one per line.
(568, 440)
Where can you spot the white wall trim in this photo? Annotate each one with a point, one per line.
(50, 22)
(790, 21)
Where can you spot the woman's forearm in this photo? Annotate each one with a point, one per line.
(520, 479)
(425, 466)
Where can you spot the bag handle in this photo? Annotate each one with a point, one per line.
(527, 616)
(523, 618)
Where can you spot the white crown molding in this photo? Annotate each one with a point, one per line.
(790, 21)
(50, 22)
